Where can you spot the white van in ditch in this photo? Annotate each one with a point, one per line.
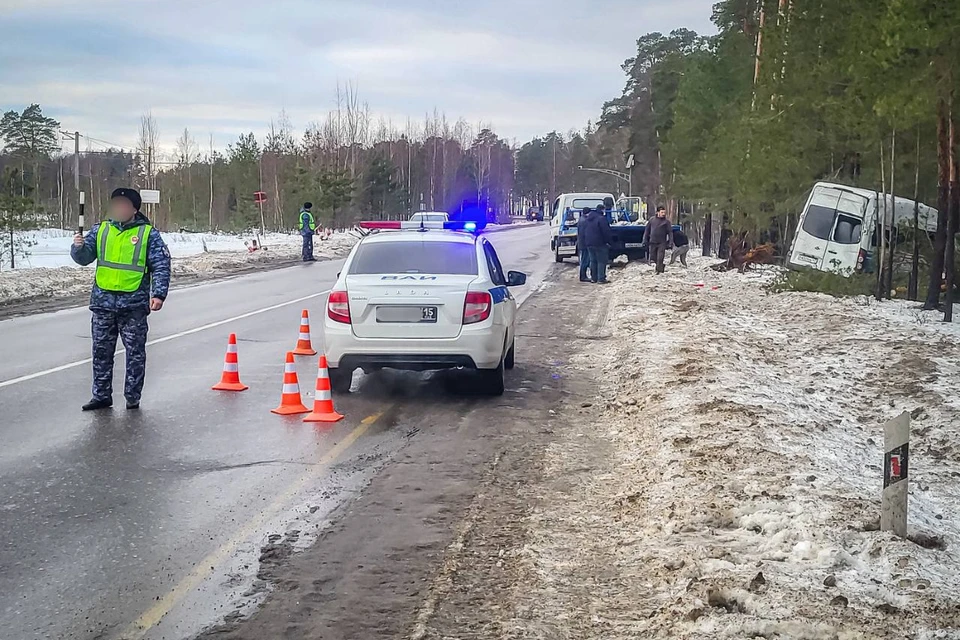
(837, 230)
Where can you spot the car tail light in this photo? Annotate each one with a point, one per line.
(477, 306)
(338, 307)
(861, 258)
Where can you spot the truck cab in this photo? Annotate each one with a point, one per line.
(564, 217)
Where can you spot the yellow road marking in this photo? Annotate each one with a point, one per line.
(206, 567)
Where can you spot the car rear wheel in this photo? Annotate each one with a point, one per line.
(340, 379)
(508, 361)
(556, 254)
(491, 380)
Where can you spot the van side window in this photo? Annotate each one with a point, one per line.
(556, 208)
(848, 229)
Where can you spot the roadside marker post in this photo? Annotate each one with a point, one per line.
(896, 469)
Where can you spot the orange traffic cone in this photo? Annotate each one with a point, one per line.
(323, 410)
(304, 346)
(290, 402)
(230, 380)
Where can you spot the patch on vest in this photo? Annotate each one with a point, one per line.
(134, 240)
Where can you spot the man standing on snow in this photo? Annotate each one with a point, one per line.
(308, 227)
(658, 237)
(132, 279)
(582, 248)
(598, 237)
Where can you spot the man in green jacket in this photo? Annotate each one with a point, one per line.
(308, 227)
(132, 279)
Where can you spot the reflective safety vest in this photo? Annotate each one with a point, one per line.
(121, 257)
(312, 225)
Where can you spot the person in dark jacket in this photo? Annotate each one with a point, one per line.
(308, 227)
(582, 248)
(598, 237)
(132, 279)
(658, 237)
(681, 246)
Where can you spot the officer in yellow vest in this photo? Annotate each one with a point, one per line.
(132, 279)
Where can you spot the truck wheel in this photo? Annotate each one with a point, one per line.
(491, 380)
(508, 360)
(556, 255)
(340, 379)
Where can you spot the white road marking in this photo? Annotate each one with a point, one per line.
(218, 323)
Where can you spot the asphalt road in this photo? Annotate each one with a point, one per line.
(150, 523)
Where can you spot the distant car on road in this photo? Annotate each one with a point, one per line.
(535, 214)
(422, 298)
(429, 216)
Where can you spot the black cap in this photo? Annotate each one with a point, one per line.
(130, 194)
(661, 208)
(308, 205)
(586, 210)
(601, 208)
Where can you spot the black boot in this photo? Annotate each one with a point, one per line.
(132, 404)
(97, 405)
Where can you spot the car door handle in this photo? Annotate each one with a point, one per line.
(833, 252)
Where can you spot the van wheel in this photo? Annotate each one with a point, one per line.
(491, 380)
(508, 361)
(340, 379)
(556, 255)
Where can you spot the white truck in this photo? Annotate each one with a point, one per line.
(564, 217)
(838, 228)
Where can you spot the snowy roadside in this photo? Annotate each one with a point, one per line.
(195, 256)
(735, 472)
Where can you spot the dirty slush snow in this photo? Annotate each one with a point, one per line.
(729, 486)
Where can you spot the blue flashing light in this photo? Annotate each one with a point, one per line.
(470, 226)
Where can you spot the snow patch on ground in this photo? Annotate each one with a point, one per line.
(740, 495)
(50, 272)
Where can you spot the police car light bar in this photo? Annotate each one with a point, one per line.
(415, 225)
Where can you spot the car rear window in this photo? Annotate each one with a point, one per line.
(451, 258)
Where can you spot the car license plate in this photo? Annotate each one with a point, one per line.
(406, 314)
(633, 245)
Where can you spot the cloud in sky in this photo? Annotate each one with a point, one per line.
(230, 66)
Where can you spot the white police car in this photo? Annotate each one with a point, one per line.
(426, 297)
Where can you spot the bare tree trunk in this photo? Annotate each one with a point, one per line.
(882, 261)
(63, 222)
(894, 230)
(943, 203)
(707, 240)
(949, 255)
(914, 286)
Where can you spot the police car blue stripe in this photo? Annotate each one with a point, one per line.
(499, 294)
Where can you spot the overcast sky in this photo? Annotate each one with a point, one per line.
(229, 66)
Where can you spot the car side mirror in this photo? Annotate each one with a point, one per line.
(516, 279)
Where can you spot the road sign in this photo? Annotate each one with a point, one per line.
(259, 197)
(150, 196)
